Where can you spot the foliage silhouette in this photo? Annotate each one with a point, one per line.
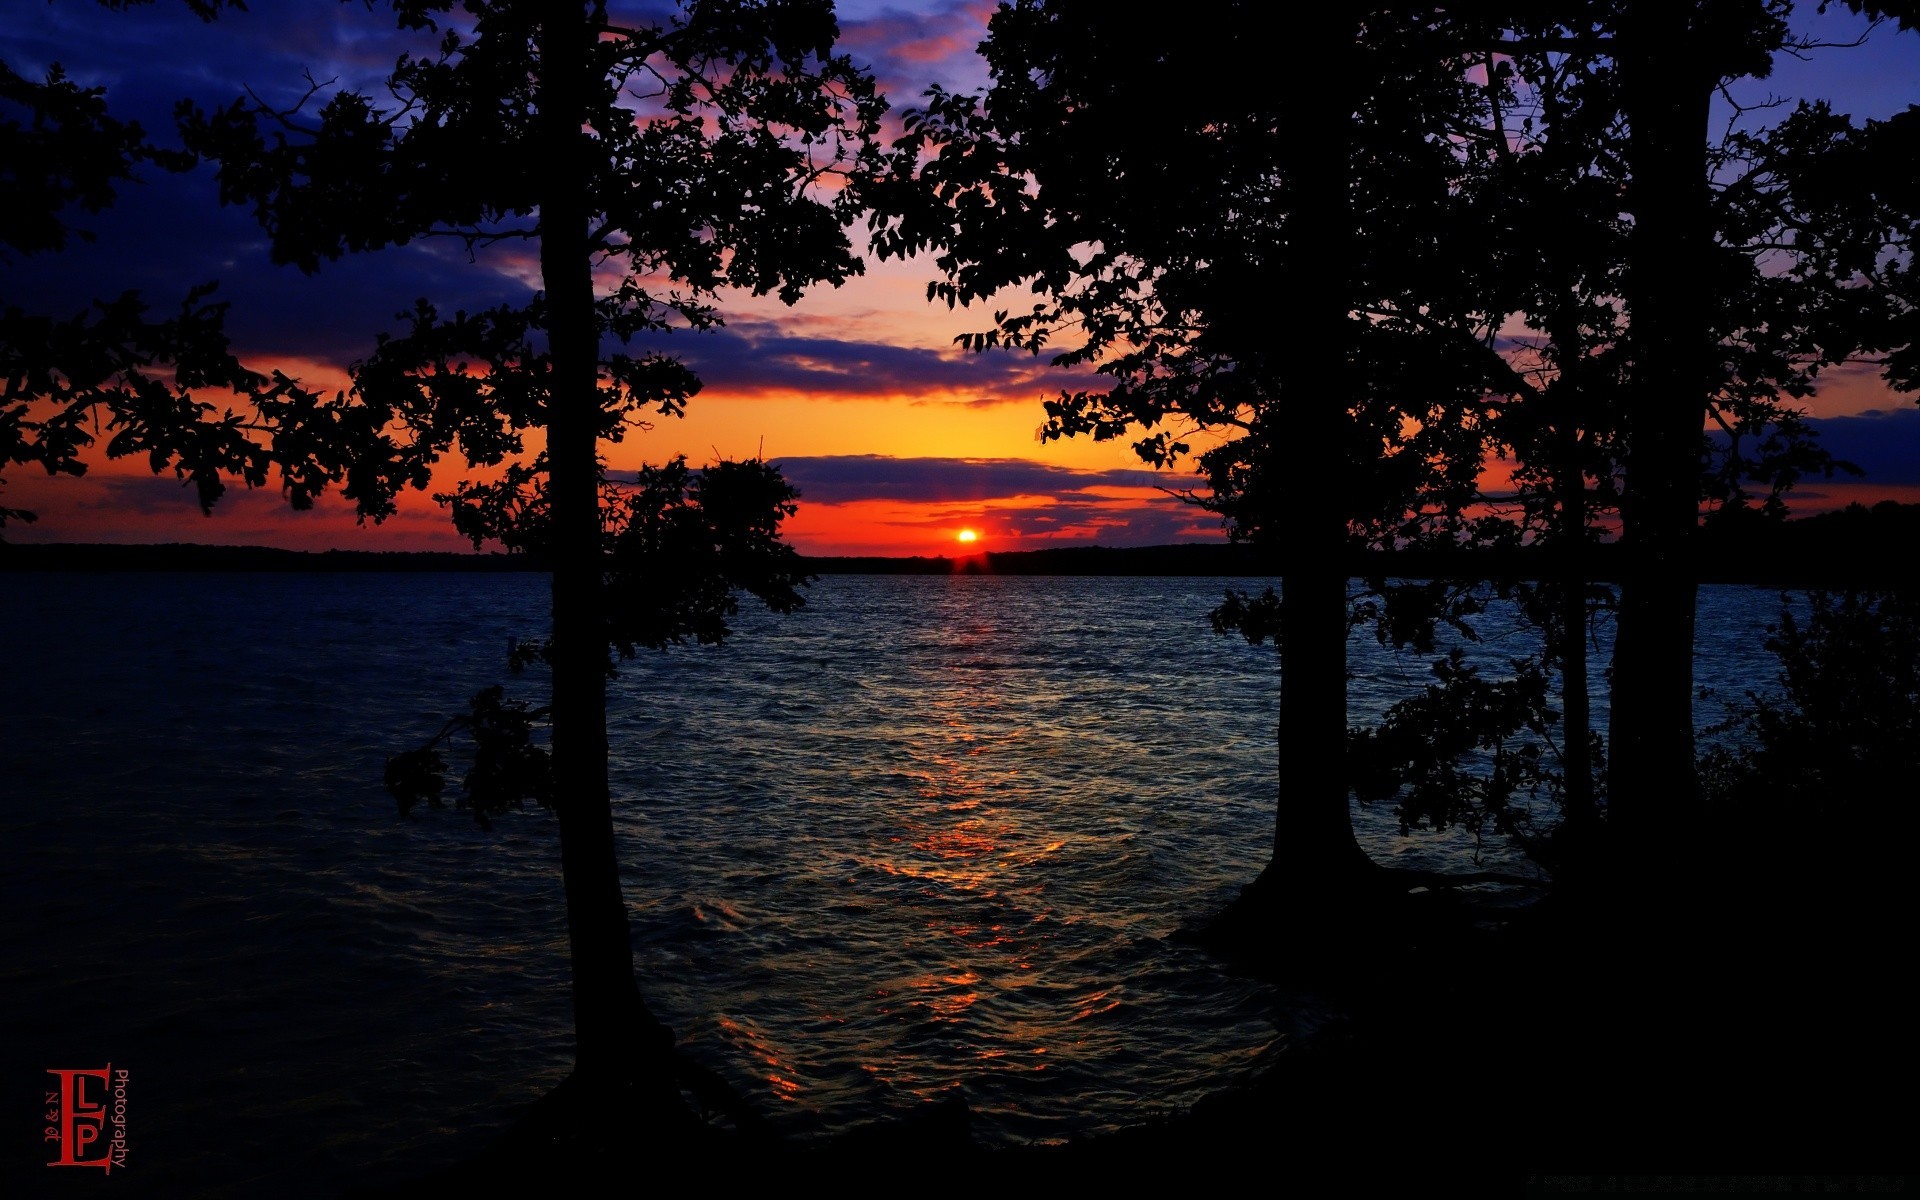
(1743, 269)
(1739, 286)
(1797, 232)
(653, 166)
(1480, 178)
(64, 150)
(1211, 260)
(1422, 744)
(114, 366)
(1840, 740)
(507, 770)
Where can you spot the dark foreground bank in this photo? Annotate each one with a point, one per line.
(1746, 1029)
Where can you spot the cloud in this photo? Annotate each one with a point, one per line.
(122, 503)
(1155, 520)
(170, 233)
(151, 56)
(873, 504)
(757, 358)
(1886, 445)
(910, 49)
(847, 478)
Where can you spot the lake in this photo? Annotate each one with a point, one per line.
(928, 833)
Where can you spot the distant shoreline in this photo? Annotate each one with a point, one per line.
(1855, 546)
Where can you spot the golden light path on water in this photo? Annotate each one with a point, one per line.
(992, 831)
(926, 837)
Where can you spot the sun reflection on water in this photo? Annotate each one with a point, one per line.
(971, 883)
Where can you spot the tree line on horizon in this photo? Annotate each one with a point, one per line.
(1511, 233)
(1838, 548)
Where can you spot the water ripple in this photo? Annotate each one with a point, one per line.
(925, 834)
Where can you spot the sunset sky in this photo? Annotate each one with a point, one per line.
(897, 439)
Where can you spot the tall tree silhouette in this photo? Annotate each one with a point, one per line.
(1671, 59)
(1740, 276)
(654, 164)
(1207, 250)
(1798, 232)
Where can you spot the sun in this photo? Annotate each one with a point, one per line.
(968, 536)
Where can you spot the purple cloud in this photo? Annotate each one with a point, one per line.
(1885, 445)
(845, 478)
(759, 357)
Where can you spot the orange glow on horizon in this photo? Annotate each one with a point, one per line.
(120, 501)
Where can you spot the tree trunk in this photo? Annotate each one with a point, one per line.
(1570, 535)
(1667, 105)
(1575, 705)
(1313, 843)
(617, 1043)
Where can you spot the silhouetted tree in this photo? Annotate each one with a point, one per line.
(1799, 264)
(1840, 739)
(1208, 249)
(669, 158)
(1714, 308)
(1735, 296)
